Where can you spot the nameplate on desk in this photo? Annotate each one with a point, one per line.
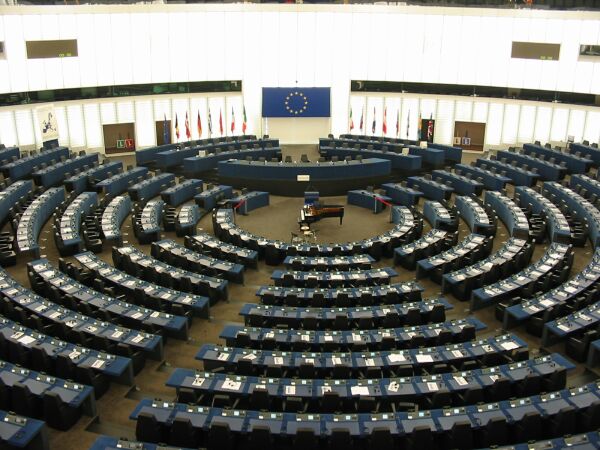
(302, 177)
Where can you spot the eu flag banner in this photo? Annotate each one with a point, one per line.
(296, 102)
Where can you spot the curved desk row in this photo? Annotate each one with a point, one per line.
(69, 238)
(195, 165)
(34, 218)
(414, 336)
(113, 217)
(21, 168)
(54, 175)
(87, 179)
(329, 178)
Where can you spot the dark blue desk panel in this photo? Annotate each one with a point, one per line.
(215, 288)
(182, 192)
(594, 354)
(518, 176)
(557, 225)
(351, 277)
(113, 443)
(12, 195)
(187, 218)
(564, 294)
(509, 213)
(491, 181)
(552, 261)
(573, 324)
(245, 203)
(42, 272)
(439, 216)
(9, 154)
(208, 199)
(54, 174)
(433, 157)
(151, 187)
(323, 263)
(118, 184)
(131, 285)
(170, 250)
(472, 248)
(453, 154)
(34, 218)
(585, 151)
(433, 242)
(414, 361)
(346, 340)
(198, 164)
(402, 194)
(70, 239)
(275, 251)
(369, 200)
(208, 243)
(413, 313)
(580, 207)
(431, 189)
(397, 161)
(147, 222)
(113, 217)
(581, 182)
(548, 171)
(66, 319)
(148, 155)
(382, 294)
(511, 257)
(574, 163)
(23, 432)
(284, 426)
(87, 179)
(174, 157)
(331, 178)
(475, 215)
(460, 183)
(22, 167)
(118, 368)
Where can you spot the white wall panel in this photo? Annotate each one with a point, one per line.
(510, 125)
(76, 126)
(93, 126)
(374, 116)
(444, 122)
(216, 106)
(216, 53)
(543, 122)
(159, 48)
(108, 113)
(8, 131)
(145, 128)
(526, 123)
(560, 121)
(233, 113)
(63, 125)
(410, 117)
(576, 124)
(103, 50)
(493, 128)
(592, 127)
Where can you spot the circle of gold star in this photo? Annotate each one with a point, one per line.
(295, 110)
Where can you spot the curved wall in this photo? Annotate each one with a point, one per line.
(281, 45)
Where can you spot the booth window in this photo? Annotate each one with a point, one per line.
(535, 50)
(64, 48)
(589, 50)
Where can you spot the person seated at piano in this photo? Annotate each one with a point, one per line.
(313, 212)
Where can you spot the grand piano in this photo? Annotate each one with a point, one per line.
(313, 212)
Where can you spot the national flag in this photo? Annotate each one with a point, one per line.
(430, 129)
(351, 125)
(397, 123)
(374, 122)
(419, 125)
(221, 121)
(188, 132)
(244, 123)
(362, 122)
(176, 127)
(232, 120)
(199, 125)
(384, 125)
(407, 123)
(166, 137)
(209, 123)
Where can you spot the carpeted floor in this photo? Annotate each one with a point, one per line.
(277, 221)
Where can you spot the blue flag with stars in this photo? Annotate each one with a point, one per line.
(296, 102)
